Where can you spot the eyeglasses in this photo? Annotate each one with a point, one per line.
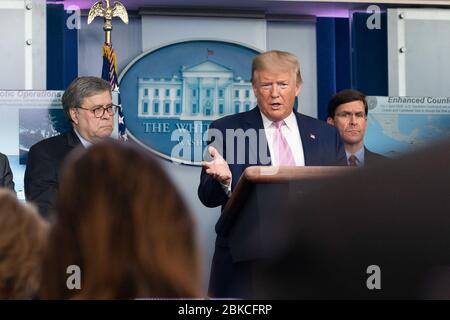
(99, 111)
(349, 115)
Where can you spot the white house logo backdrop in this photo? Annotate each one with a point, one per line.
(172, 94)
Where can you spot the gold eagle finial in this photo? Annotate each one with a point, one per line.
(108, 12)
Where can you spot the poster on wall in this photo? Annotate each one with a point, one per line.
(27, 117)
(36, 124)
(398, 125)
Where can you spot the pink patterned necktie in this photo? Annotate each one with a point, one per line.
(284, 152)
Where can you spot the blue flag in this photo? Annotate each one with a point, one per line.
(109, 73)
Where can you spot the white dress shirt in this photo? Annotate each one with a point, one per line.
(84, 142)
(291, 134)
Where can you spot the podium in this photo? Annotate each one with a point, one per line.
(252, 220)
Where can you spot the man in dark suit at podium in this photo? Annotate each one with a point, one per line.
(348, 110)
(276, 135)
(87, 104)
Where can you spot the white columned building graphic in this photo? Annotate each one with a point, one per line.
(205, 91)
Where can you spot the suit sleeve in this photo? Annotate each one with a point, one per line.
(7, 175)
(40, 179)
(210, 192)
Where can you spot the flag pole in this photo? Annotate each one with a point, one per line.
(109, 69)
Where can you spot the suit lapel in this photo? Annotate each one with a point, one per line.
(72, 139)
(367, 156)
(308, 139)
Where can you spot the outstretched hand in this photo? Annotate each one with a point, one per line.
(218, 167)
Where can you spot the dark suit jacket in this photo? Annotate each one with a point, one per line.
(43, 166)
(372, 158)
(6, 176)
(322, 146)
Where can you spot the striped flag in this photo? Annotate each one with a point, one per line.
(109, 73)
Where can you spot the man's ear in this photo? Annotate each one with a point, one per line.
(330, 120)
(73, 112)
(298, 89)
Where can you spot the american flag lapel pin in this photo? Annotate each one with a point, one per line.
(312, 136)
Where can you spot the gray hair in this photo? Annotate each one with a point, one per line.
(81, 88)
(276, 59)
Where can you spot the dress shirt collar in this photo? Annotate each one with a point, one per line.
(290, 121)
(84, 142)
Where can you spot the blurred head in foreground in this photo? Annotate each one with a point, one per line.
(388, 240)
(23, 235)
(122, 222)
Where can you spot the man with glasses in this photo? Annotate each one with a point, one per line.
(347, 111)
(87, 104)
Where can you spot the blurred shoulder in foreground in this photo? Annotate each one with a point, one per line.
(384, 227)
(23, 235)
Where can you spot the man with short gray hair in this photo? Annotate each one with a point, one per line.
(87, 104)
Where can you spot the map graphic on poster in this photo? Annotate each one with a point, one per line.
(398, 125)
